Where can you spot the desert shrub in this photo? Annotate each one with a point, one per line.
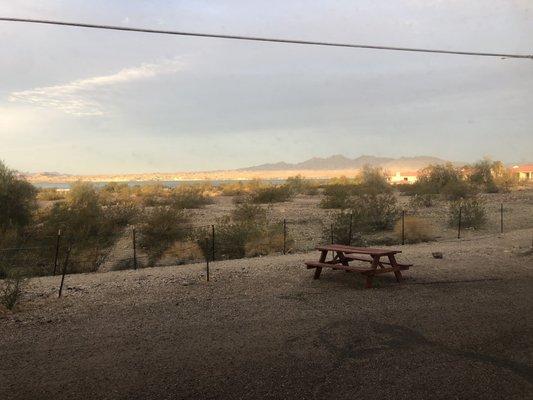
(434, 177)
(339, 231)
(455, 190)
(415, 229)
(183, 251)
(269, 240)
(152, 195)
(271, 194)
(490, 176)
(50, 194)
(17, 200)
(473, 214)
(190, 196)
(159, 229)
(445, 181)
(373, 181)
(86, 225)
(233, 189)
(342, 193)
(249, 212)
(299, 185)
(119, 215)
(374, 212)
(230, 239)
(11, 290)
(245, 232)
(338, 195)
(116, 192)
(422, 200)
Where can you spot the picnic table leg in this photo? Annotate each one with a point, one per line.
(343, 260)
(394, 265)
(318, 270)
(368, 283)
(370, 275)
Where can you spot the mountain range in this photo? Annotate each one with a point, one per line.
(316, 167)
(337, 162)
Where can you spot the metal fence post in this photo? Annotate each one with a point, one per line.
(213, 242)
(134, 248)
(207, 258)
(501, 218)
(64, 272)
(403, 227)
(58, 239)
(350, 231)
(459, 224)
(284, 236)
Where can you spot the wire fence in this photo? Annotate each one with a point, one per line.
(62, 254)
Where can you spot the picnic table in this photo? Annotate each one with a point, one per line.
(342, 255)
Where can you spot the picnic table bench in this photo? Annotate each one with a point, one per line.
(342, 255)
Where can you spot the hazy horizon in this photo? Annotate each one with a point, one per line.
(87, 102)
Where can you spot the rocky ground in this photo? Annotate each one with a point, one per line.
(458, 327)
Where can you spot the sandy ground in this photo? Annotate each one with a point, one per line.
(457, 328)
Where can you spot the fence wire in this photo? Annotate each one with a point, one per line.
(281, 237)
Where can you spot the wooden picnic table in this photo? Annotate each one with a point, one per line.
(342, 255)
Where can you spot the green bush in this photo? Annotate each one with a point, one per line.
(248, 212)
(299, 185)
(374, 212)
(159, 229)
(116, 193)
(435, 177)
(245, 232)
(339, 231)
(50, 195)
(490, 176)
(373, 181)
(17, 200)
(233, 189)
(87, 226)
(11, 290)
(271, 194)
(456, 190)
(445, 181)
(190, 196)
(338, 195)
(422, 200)
(473, 214)
(153, 195)
(342, 193)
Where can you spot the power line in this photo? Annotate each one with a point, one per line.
(264, 39)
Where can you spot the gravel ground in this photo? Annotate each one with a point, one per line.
(460, 327)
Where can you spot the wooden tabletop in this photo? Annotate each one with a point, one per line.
(358, 250)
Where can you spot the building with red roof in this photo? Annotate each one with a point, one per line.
(523, 172)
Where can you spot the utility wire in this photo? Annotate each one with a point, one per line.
(264, 39)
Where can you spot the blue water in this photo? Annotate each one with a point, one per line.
(170, 184)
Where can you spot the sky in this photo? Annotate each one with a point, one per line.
(84, 101)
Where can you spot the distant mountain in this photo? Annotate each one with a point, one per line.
(341, 162)
(316, 167)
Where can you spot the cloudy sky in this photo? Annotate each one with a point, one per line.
(86, 101)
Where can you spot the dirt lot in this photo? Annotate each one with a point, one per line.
(460, 327)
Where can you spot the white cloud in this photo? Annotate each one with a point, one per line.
(75, 97)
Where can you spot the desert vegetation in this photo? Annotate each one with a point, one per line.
(96, 222)
(245, 232)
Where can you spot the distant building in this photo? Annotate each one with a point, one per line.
(523, 172)
(404, 177)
